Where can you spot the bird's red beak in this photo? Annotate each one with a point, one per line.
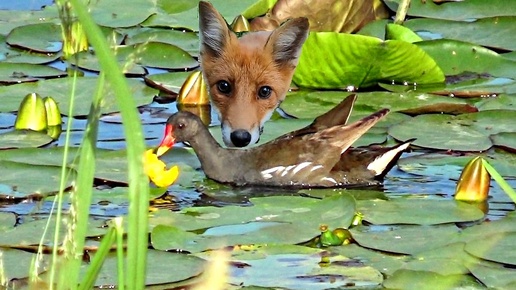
(167, 142)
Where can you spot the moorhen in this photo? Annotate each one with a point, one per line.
(315, 156)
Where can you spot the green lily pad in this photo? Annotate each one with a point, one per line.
(120, 13)
(312, 104)
(386, 264)
(60, 89)
(497, 32)
(131, 58)
(189, 19)
(266, 262)
(490, 122)
(363, 61)
(450, 166)
(405, 240)
(503, 101)
(7, 221)
(44, 179)
(417, 211)
(188, 41)
(411, 279)
(170, 82)
(460, 135)
(12, 19)
(23, 139)
(42, 37)
(185, 266)
(267, 221)
(455, 57)
(494, 275)
(17, 264)
(31, 232)
(12, 73)
(16, 55)
(110, 165)
(457, 10)
(505, 140)
(487, 230)
(498, 248)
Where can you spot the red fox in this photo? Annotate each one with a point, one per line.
(247, 77)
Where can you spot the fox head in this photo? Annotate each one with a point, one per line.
(247, 77)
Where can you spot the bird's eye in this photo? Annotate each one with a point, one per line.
(264, 92)
(181, 125)
(224, 87)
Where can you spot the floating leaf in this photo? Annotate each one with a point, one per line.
(454, 133)
(429, 280)
(150, 54)
(496, 248)
(417, 211)
(44, 179)
(42, 37)
(497, 32)
(13, 73)
(265, 264)
(23, 139)
(265, 222)
(457, 10)
(407, 239)
(188, 41)
(362, 61)
(117, 13)
(455, 57)
(505, 140)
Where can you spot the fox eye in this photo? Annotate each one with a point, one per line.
(224, 87)
(264, 92)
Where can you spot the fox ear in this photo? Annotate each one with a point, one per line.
(287, 40)
(213, 29)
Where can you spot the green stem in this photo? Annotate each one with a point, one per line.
(138, 183)
(401, 13)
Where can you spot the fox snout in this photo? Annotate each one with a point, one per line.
(240, 138)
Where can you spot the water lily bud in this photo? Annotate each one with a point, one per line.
(193, 91)
(53, 113)
(240, 24)
(328, 238)
(74, 39)
(202, 111)
(474, 182)
(31, 114)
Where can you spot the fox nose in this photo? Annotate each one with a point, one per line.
(240, 138)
